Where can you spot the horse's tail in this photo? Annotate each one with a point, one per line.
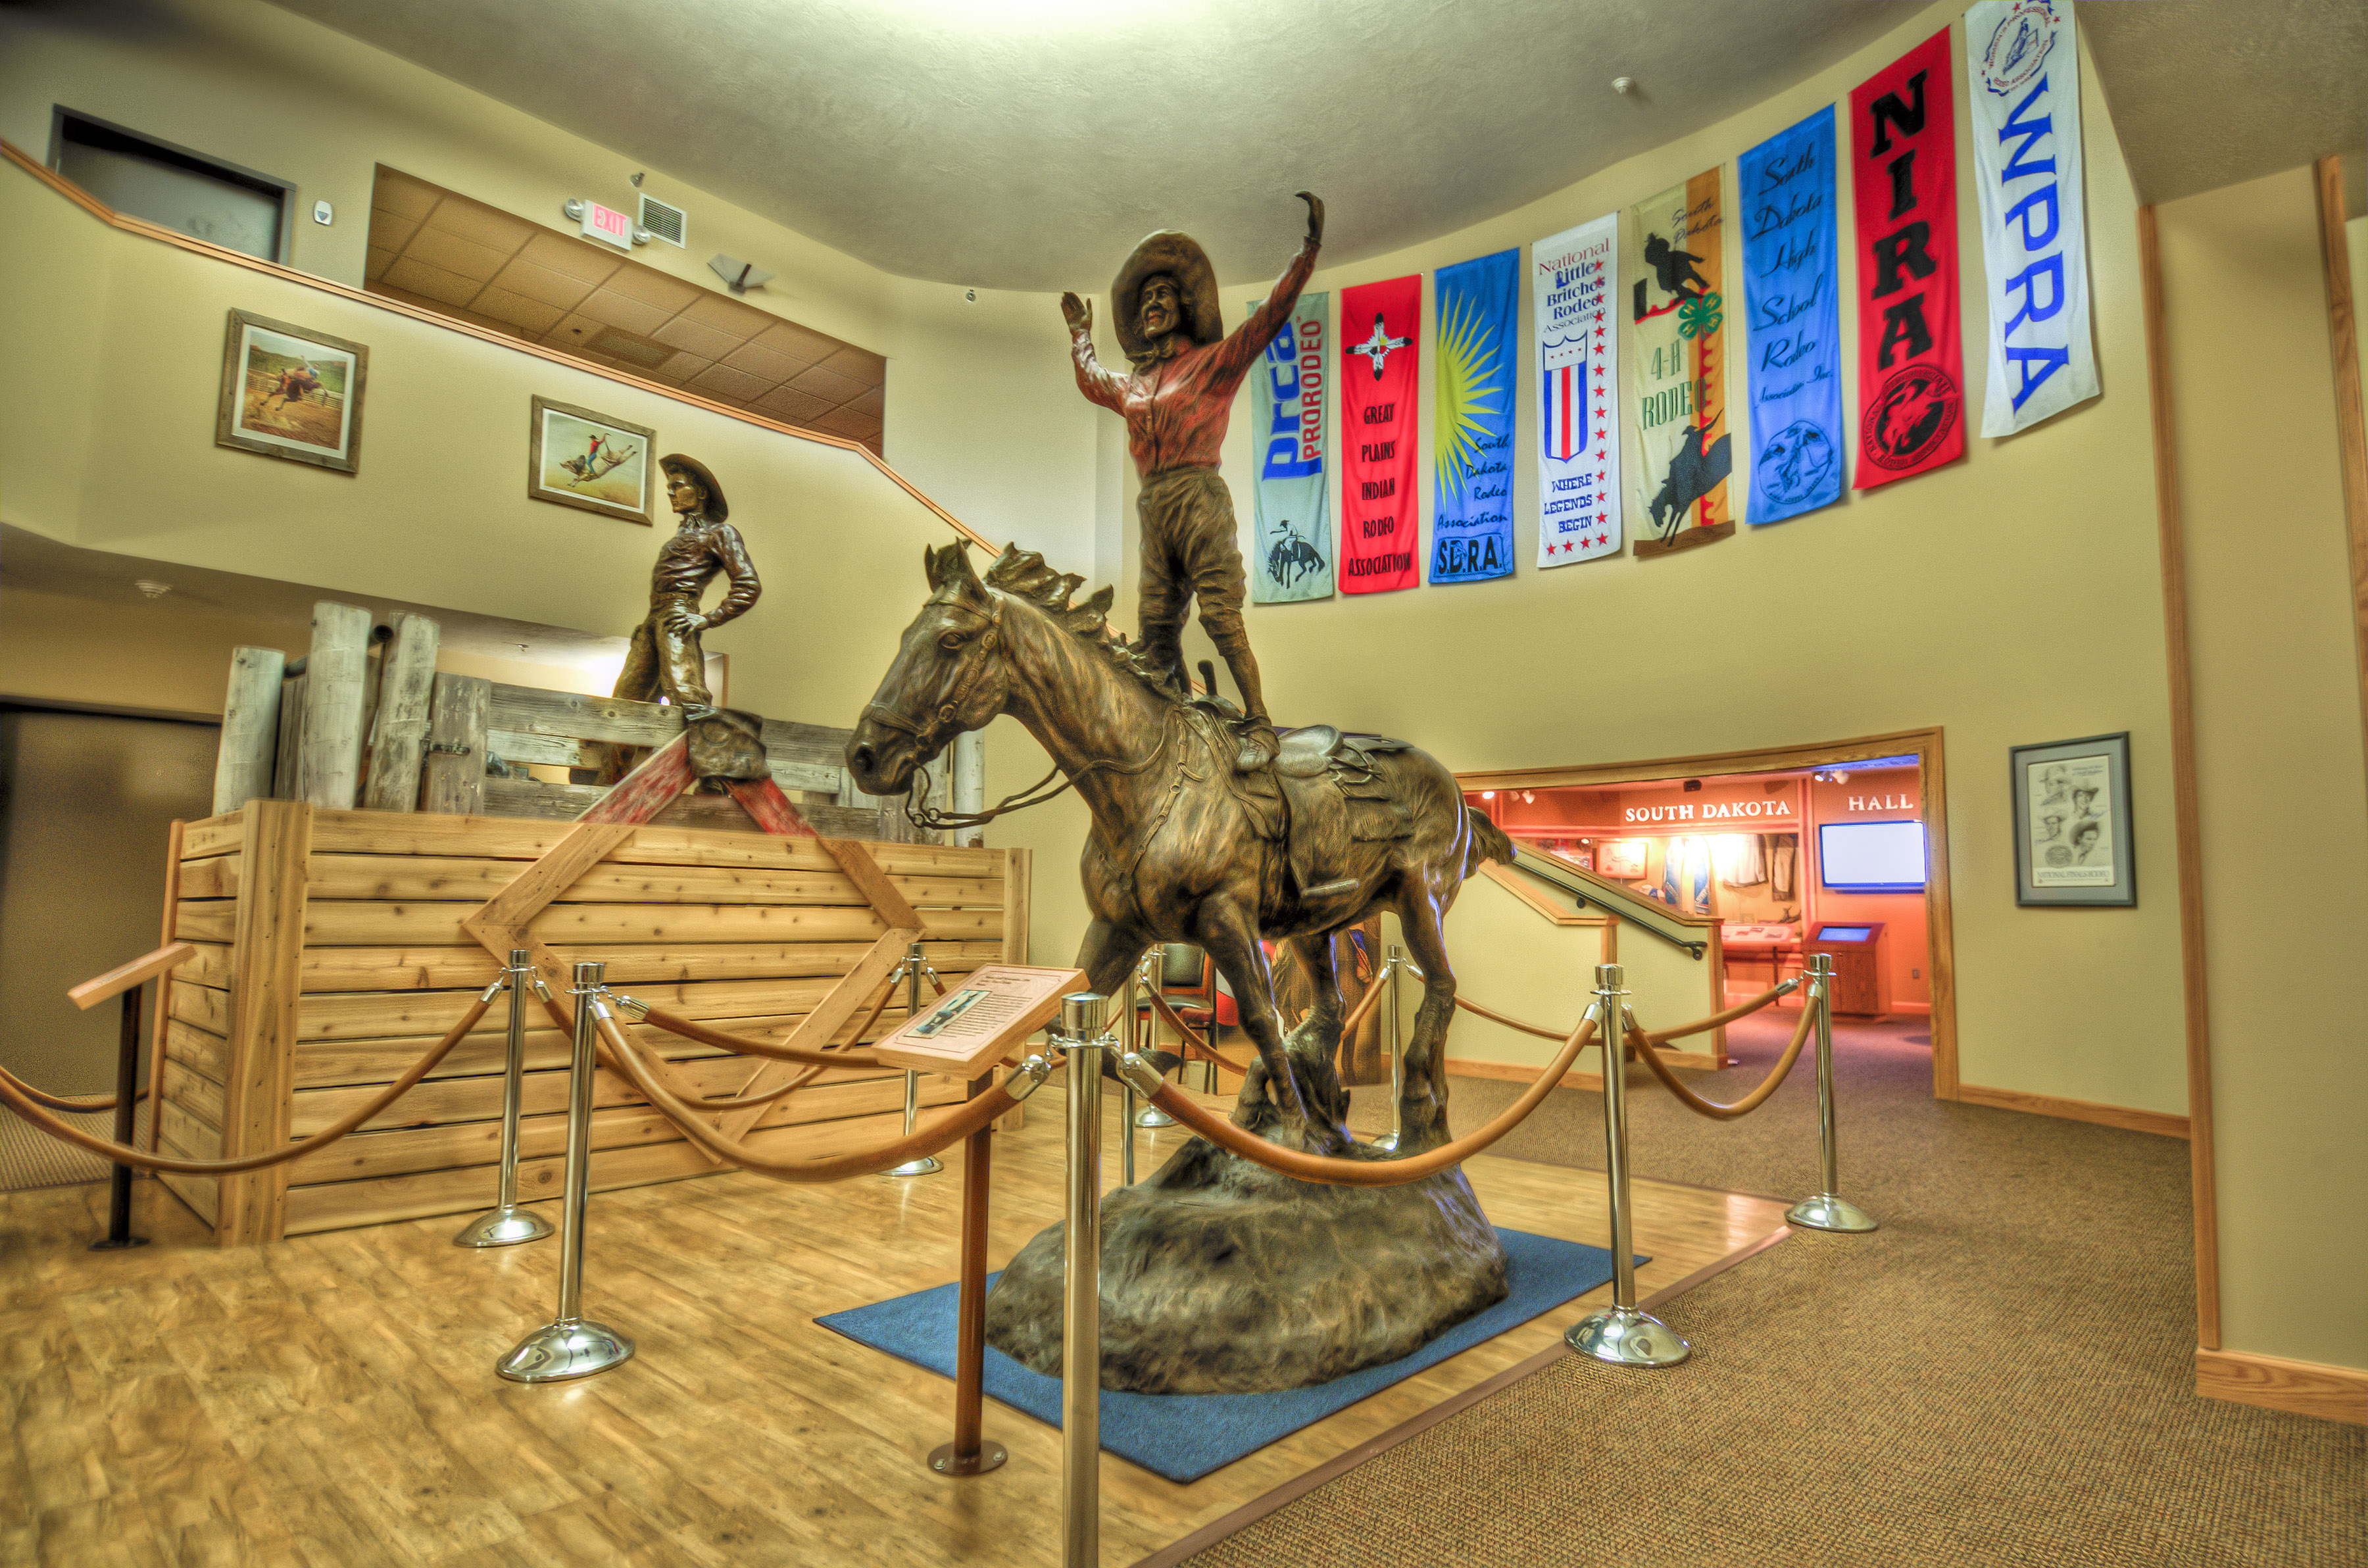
(1488, 843)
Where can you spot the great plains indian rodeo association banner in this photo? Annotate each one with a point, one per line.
(1472, 419)
(2022, 71)
(1572, 282)
(1911, 362)
(1290, 390)
(1380, 527)
(1793, 319)
(1679, 367)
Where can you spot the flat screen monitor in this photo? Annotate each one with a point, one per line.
(1844, 933)
(1872, 857)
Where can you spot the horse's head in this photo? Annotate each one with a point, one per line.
(949, 676)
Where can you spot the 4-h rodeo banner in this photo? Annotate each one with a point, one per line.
(1680, 365)
(2022, 71)
(1572, 278)
(1381, 531)
(1293, 558)
(1792, 320)
(1472, 419)
(1911, 361)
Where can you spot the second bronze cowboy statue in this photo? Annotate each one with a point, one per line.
(1176, 401)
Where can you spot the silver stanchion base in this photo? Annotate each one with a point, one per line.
(1387, 1141)
(1826, 1212)
(1152, 1117)
(573, 1347)
(1626, 1337)
(926, 1165)
(503, 1228)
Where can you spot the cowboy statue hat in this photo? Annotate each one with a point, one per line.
(716, 510)
(1179, 257)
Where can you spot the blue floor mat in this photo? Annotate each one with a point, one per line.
(1184, 1436)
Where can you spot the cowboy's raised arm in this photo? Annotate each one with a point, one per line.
(1239, 351)
(1099, 385)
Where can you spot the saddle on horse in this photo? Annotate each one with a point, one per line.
(1320, 794)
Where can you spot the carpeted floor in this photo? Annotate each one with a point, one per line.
(29, 1157)
(2002, 1374)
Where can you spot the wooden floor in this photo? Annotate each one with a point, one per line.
(330, 1400)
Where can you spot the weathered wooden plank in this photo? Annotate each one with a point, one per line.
(215, 877)
(532, 798)
(289, 747)
(437, 968)
(262, 1027)
(817, 745)
(796, 776)
(553, 751)
(529, 710)
(203, 1006)
(329, 760)
(205, 920)
(403, 878)
(454, 775)
(335, 923)
(200, 1050)
(250, 731)
(215, 836)
(399, 735)
(381, 833)
(641, 794)
(768, 808)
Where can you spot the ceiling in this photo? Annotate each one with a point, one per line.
(444, 251)
(1029, 144)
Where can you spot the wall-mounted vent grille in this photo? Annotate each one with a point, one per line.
(671, 224)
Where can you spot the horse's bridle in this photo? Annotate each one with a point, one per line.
(930, 736)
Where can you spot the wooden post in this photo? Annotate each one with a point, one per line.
(969, 770)
(329, 761)
(250, 731)
(289, 747)
(405, 688)
(267, 955)
(164, 987)
(456, 741)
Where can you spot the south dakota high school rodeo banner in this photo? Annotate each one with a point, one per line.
(1911, 361)
(1675, 313)
(1293, 525)
(1792, 320)
(1380, 532)
(2022, 71)
(1572, 279)
(1472, 419)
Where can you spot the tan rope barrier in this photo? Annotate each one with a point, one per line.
(124, 1154)
(1194, 1044)
(1662, 1037)
(1712, 1109)
(740, 1102)
(1511, 1023)
(63, 1102)
(741, 1045)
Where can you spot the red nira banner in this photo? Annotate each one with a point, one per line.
(1911, 373)
(1380, 528)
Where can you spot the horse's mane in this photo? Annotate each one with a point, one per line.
(1023, 574)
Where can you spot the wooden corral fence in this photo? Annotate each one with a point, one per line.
(331, 955)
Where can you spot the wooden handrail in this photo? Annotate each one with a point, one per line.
(122, 978)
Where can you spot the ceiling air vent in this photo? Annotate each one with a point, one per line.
(663, 223)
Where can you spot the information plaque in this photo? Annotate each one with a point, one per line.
(980, 1021)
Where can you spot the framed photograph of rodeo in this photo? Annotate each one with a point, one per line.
(578, 458)
(289, 391)
(2072, 823)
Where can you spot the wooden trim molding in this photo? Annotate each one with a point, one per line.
(2126, 1117)
(2299, 1388)
(131, 225)
(2351, 422)
(2187, 810)
(1764, 759)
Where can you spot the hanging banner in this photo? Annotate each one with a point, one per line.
(1472, 419)
(1674, 312)
(1381, 534)
(1911, 361)
(2022, 68)
(1571, 278)
(1293, 525)
(1792, 320)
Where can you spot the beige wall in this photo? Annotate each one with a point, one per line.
(2278, 763)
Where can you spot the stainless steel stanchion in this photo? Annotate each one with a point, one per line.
(928, 1164)
(1126, 1112)
(1620, 1332)
(127, 1091)
(1389, 977)
(1824, 1210)
(1082, 1021)
(1149, 976)
(571, 1345)
(506, 1224)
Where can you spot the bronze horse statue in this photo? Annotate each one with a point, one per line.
(1184, 848)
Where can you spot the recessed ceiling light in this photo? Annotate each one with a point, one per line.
(1624, 85)
(153, 588)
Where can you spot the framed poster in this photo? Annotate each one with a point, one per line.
(578, 458)
(2072, 823)
(1622, 857)
(289, 391)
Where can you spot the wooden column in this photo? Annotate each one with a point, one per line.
(455, 780)
(329, 759)
(268, 947)
(164, 984)
(400, 739)
(250, 731)
(969, 770)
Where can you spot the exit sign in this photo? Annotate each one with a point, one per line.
(607, 223)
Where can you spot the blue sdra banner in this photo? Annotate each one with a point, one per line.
(1472, 419)
(1793, 309)
(1293, 558)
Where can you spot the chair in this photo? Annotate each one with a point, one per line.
(1188, 979)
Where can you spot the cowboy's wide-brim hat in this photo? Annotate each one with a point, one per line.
(716, 510)
(1179, 256)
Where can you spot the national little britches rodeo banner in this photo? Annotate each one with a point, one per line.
(1792, 320)
(1381, 531)
(1911, 362)
(1572, 279)
(1292, 522)
(1472, 419)
(1675, 313)
(2023, 71)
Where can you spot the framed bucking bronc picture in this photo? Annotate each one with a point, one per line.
(578, 457)
(289, 391)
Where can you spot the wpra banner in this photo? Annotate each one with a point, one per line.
(1571, 279)
(1293, 527)
(2022, 70)
(1472, 419)
(1792, 320)
(1674, 254)
(1911, 361)
(1380, 530)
